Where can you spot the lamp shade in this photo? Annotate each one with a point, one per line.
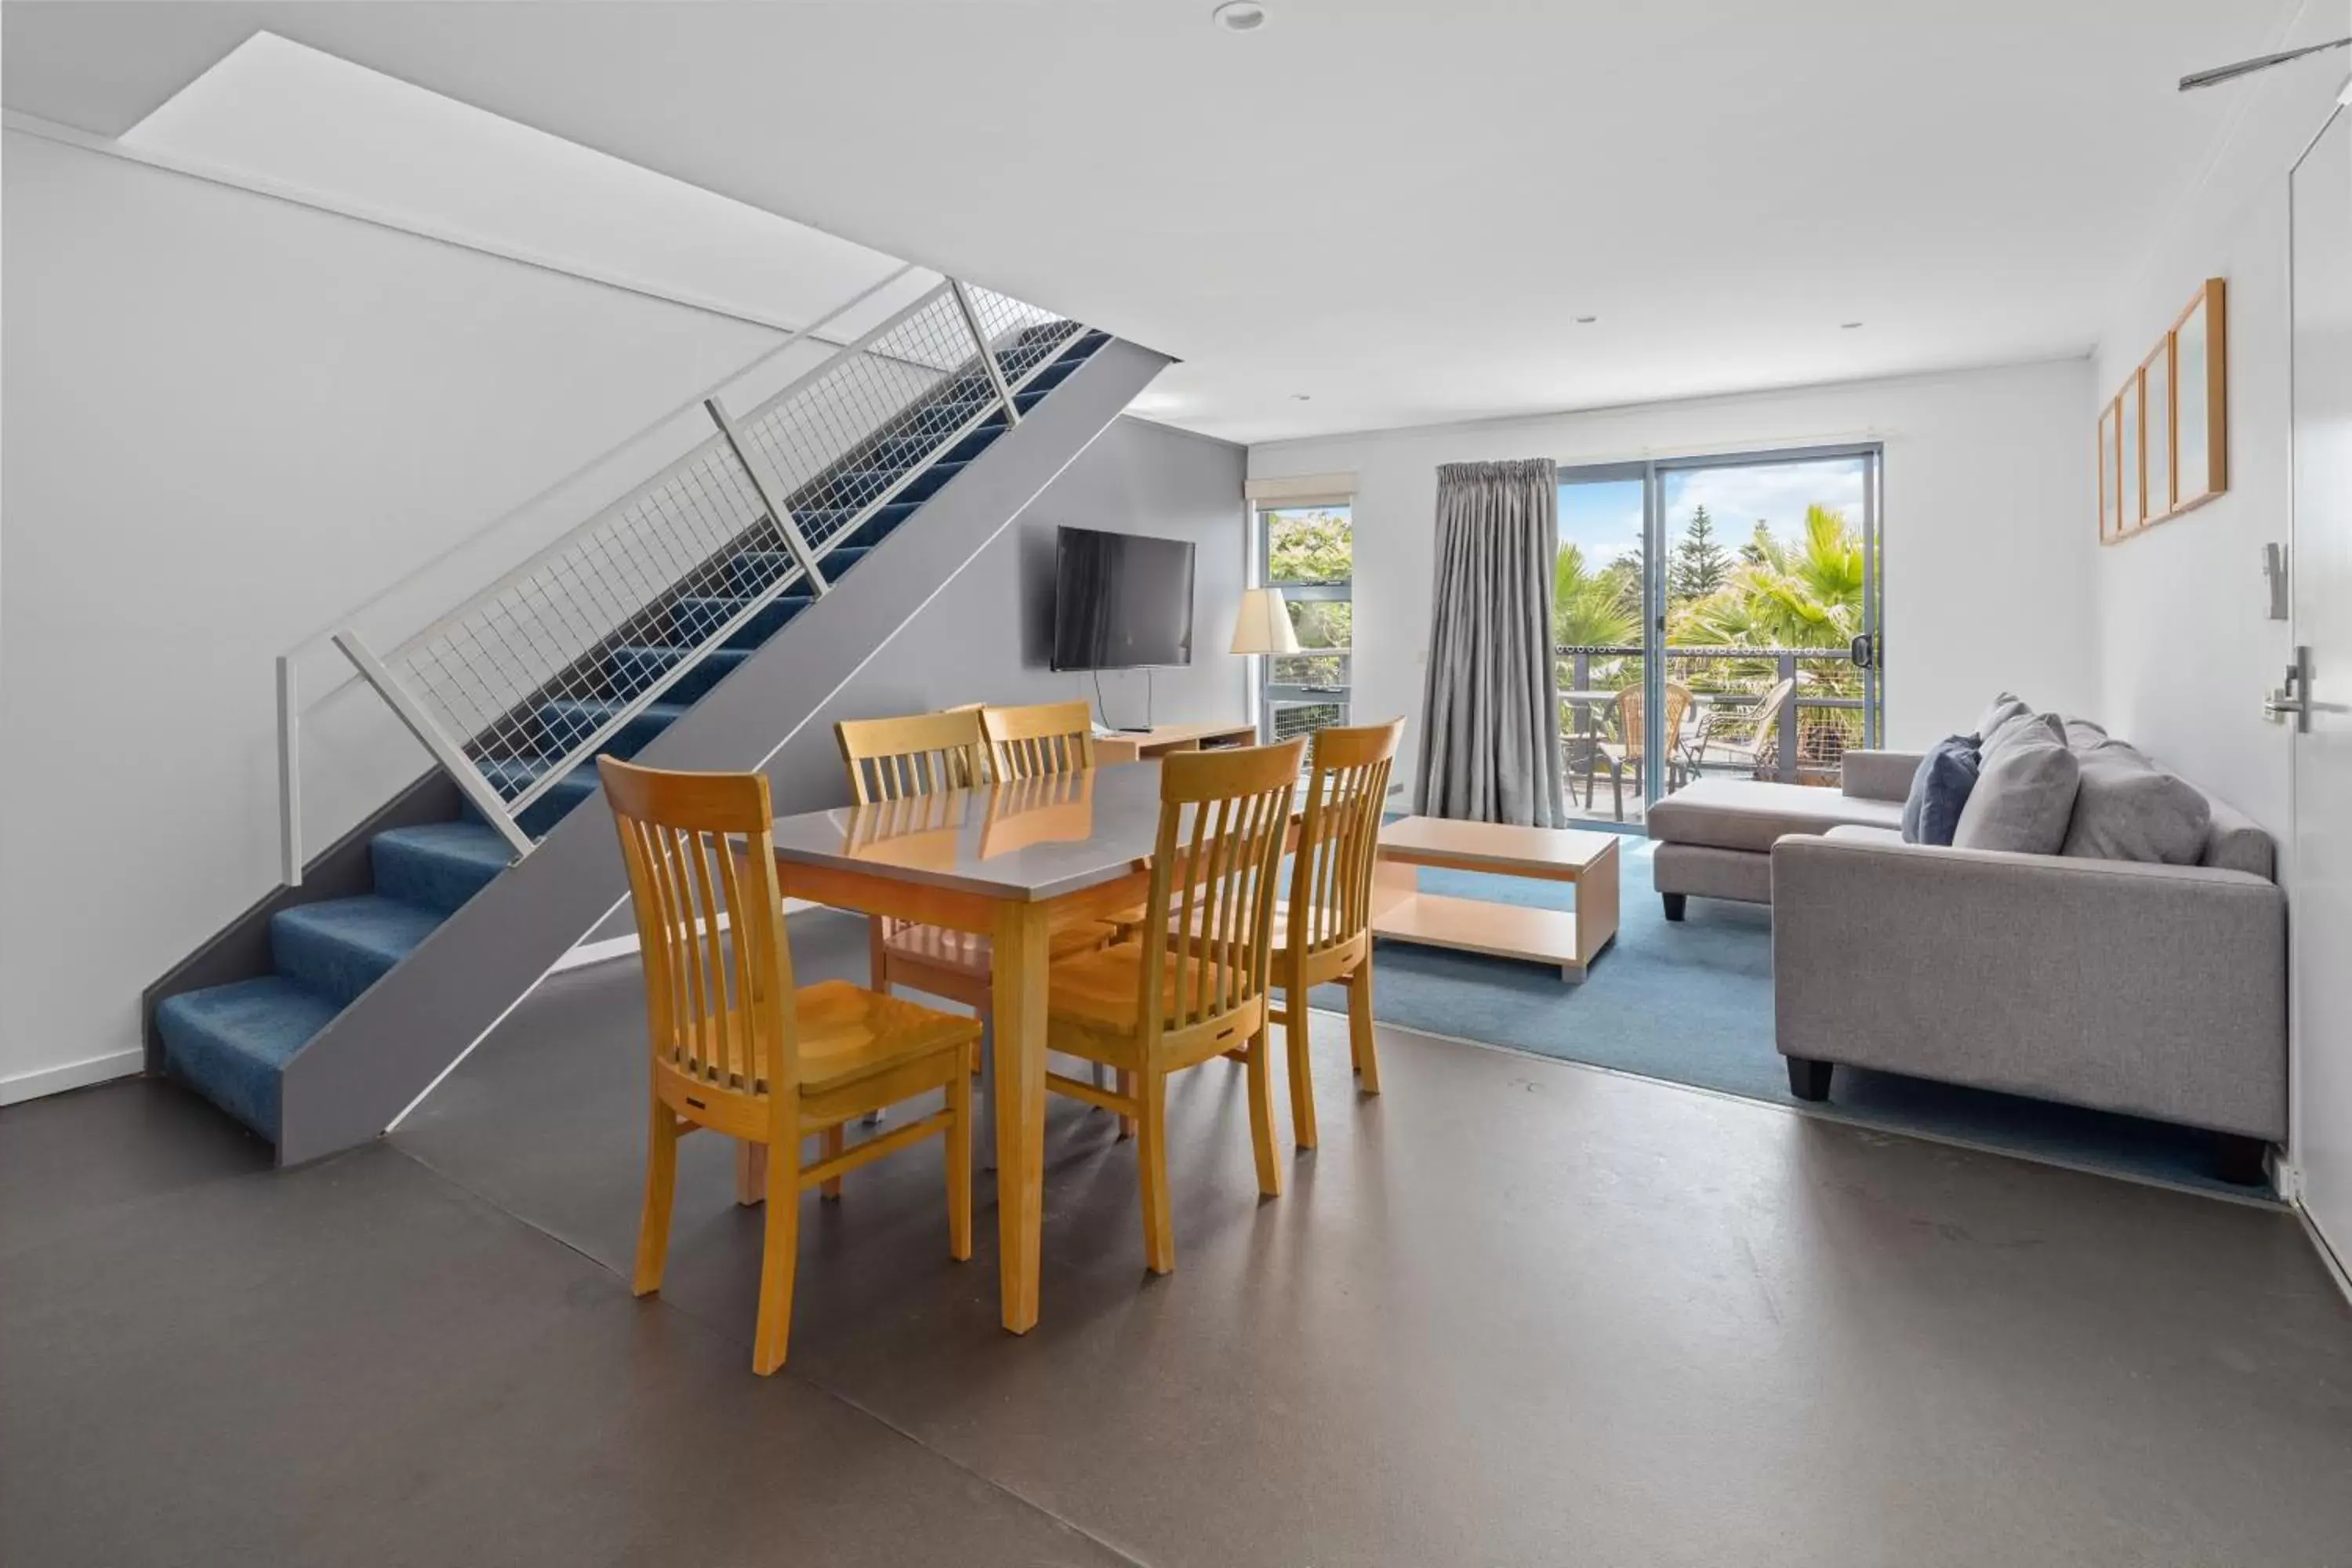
(1265, 623)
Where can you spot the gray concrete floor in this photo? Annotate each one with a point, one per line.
(1513, 1311)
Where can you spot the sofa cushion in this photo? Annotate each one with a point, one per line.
(2083, 733)
(1939, 790)
(2235, 842)
(2024, 794)
(1746, 814)
(1999, 711)
(2128, 808)
(2018, 726)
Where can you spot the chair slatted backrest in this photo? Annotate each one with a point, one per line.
(1629, 716)
(1224, 817)
(1331, 868)
(924, 753)
(1050, 738)
(1767, 716)
(719, 977)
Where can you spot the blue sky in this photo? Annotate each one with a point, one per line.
(1606, 519)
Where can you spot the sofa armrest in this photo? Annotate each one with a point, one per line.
(2156, 990)
(1878, 776)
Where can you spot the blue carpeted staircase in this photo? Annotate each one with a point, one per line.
(232, 1042)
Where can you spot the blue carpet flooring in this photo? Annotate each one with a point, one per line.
(1693, 1003)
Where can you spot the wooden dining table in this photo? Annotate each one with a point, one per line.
(1012, 862)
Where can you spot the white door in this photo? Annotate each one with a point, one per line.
(2322, 566)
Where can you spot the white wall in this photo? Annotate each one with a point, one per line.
(230, 419)
(1989, 529)
(2186, 647)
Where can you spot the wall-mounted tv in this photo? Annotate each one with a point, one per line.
(1121, 601)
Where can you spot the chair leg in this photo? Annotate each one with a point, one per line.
(1617, 788)
(750, 1172)
(661, 1191)
(960, 1167)
(831, 1142)
(1359, 1028)
(1297, 1046)
(878, 971)
(779, 1258)
(988, 1094)
(1126, 1082)
(1151, 1166)
(1261, 1112)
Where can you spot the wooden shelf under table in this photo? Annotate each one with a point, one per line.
(1569, 939)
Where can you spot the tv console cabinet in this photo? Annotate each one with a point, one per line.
(1133, 746)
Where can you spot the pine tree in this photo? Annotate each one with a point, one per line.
(1700, 566)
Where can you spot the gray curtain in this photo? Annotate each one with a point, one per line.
(1490, 710)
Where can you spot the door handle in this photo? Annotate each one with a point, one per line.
(2294, 696)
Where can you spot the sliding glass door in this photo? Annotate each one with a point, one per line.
(1600, 599)
(1716, 615)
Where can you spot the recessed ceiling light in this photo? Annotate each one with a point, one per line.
(1848, 326)
(1302, 397)
(1239, 16)
(1586, 321)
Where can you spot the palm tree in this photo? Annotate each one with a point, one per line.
(1588, 607)
(1802, 594)
(1805, 595)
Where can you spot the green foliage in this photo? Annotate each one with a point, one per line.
(1806, 594)
(1309, 546)
(1590, 607)
(1698, 566)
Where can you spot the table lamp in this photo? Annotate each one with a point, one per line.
(1265, 623)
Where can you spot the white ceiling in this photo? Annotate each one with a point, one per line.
(300, 118)
(1395, 209)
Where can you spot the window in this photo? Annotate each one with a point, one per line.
(1309, 554)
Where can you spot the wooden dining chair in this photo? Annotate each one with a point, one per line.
(1151, 1008)
(738, 1050)
(926, 753)
(1323, 932)
(1048, 738)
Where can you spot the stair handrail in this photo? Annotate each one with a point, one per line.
(747, 451)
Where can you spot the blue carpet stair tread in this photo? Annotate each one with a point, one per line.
(564, 725)
(342, 946)
(628, 670)
(438, 865)
(232, 1042)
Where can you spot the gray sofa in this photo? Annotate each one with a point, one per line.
(2155, 990)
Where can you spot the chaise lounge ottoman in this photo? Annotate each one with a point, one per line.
(1715, 836)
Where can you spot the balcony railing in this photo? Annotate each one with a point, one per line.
(1782, 713)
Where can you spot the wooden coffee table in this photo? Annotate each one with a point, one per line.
(1402, 912)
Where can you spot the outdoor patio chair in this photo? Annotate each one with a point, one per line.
(1755, 747)
(1623, 755)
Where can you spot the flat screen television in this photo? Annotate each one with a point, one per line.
(1121, 601)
